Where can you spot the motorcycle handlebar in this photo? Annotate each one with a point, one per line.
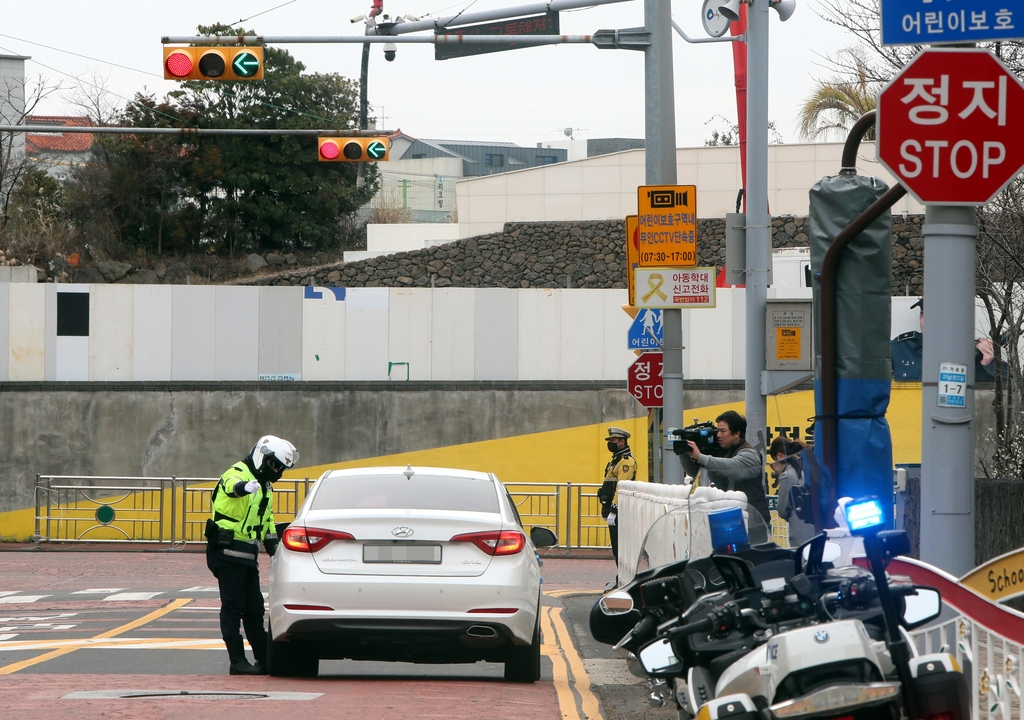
(705, 625)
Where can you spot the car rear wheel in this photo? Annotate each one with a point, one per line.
(287, 659)
(523, 663)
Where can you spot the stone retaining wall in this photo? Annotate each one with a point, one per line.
(579, 254)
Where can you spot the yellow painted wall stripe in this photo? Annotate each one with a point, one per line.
(170, 607)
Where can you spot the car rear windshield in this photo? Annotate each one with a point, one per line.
(396, 492)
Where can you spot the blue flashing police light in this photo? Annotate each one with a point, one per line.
(728, 533)
(865, 514)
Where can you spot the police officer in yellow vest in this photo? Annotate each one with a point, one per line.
(621, 467)
(243, 517)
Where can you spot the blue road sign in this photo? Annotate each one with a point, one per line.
(644, 324)
(932, 22)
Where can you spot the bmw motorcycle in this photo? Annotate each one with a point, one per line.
(724, 624)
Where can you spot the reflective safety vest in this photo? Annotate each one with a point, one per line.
(249, 517)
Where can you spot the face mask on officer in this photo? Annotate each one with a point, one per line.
(271, 469)
(613, 446)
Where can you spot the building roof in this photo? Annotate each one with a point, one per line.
(58, 142)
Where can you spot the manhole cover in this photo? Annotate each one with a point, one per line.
(188, 694)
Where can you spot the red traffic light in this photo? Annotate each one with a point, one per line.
(179, 63)
(329, 150)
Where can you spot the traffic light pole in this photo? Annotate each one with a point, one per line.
(947, 431)
(758, 226)
(660, 169)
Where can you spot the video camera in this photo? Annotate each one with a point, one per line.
(704, 435)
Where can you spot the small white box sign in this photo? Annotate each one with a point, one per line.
(952, 385)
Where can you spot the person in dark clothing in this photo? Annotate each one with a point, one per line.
(907, 348)
(622, 466)
(242, 517)
(741, 469)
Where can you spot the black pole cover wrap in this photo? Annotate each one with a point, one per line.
(863, 325)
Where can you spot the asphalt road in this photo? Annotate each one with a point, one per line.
(84, 634)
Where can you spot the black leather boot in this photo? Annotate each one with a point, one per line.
(259, 652)
(239, 664)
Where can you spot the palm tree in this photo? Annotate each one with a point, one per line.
(835, 105)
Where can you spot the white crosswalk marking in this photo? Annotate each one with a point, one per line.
(201, 588)
(130, 596)
(5, 593)
(97, 591)
(14, 599)
(8, 636)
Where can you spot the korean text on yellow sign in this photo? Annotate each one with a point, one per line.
(667, 220)
(675, 287)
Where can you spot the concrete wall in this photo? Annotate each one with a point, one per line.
(197, 430)
(605, 187)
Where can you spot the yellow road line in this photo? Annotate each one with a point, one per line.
(591, 708)
(560, 674)
(578, 591)
(170, 607)
(111, 643)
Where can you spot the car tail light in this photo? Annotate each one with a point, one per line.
(302, 539)
(309, 607)
(506, 542)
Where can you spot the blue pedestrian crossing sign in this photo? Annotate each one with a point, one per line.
(647, 331)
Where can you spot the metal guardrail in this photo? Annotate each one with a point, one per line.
(173, 510)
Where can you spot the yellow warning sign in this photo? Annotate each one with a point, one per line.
(787, 343)
(667, 224)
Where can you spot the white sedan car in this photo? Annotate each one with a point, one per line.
(427, 565)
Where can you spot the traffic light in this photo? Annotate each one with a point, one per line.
(213, 63)
(353, 149)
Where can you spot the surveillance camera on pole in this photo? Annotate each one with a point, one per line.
(389, 51)
(785, 9)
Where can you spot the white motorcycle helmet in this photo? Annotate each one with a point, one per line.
(271, 456)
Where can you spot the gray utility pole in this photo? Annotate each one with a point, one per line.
(758, 221)
(947, 433)
(660, 167)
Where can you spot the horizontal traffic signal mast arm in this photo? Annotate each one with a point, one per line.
(518, 40)
(109, 130)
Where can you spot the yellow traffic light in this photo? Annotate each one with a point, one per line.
(353, 149)
(213, 63)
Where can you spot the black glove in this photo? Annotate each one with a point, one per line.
(271, 545)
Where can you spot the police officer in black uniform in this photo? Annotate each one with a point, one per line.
(907, 349)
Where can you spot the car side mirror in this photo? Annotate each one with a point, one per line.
(542, 537)
(922, 607)
(658, 658)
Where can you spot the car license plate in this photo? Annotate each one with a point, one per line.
(402, 553)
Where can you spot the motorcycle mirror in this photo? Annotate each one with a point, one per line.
(619, 602)
(922, 607)
(542, 537)
(658, 658)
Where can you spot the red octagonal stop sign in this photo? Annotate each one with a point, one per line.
(644, 379)
(949, 126)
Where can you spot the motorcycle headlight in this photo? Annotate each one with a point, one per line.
(837, 697)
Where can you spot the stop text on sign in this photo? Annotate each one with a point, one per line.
(644, 379)
(946, 126)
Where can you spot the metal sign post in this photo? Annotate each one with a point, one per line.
(946, 129)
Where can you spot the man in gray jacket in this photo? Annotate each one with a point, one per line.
(741, 469)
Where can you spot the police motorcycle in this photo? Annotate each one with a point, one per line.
(726, 624)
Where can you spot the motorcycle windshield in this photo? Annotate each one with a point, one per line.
(709, 521)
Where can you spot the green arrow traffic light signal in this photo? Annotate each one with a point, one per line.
(376, 150)
(246, 64)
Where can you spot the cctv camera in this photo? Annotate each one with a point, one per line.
(357, 18)
(413, 18)
(389, 51)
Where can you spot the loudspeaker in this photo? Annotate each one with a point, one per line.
(730, 10)
(784, 8)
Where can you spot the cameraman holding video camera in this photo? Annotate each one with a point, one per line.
(740, 468)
